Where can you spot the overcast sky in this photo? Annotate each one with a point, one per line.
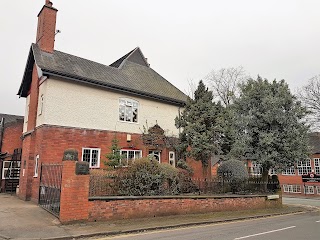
(182, 39)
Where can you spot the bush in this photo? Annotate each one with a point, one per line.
(234, 172)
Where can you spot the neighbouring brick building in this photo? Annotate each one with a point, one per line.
(10, 149)
(291, 178)
(73, 102)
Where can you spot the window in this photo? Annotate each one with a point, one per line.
(304, 167)
(316, 165)
(155, 155)
(256, 169)
(40, 108)
(318, 190)
(36, 165)
(272, 171)
(292, 188)
(128, 154)
(172, 159)
(308, 189)
(128, 110)
(5, 168)
(289, 171)
(92, 156)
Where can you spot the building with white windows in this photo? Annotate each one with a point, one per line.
(72, 102)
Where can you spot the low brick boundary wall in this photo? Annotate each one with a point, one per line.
(115, 208)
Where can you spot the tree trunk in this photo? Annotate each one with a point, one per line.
(264, 180)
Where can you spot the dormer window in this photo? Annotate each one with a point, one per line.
(128, 110)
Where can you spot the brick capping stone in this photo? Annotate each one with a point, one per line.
(111, 198)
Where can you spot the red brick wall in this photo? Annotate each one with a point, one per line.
(100, 210)
(12, 136)
(74, 194)
(49, 142)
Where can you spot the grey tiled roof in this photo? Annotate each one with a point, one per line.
(129, 74)
(10, 118)
(314, 142)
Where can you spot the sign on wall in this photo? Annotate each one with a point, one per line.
(311, 177)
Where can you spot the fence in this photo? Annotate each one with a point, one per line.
(110, 185)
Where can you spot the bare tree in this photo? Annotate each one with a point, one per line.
(225, 81)
(310, 97)
(192, 87)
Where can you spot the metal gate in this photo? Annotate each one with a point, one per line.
(50, 187)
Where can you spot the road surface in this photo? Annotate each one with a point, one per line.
(303, 226)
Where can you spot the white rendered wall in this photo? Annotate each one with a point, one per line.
(83, 106)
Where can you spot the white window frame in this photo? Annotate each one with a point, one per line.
(318, 190)
(256, 169)
(40, 108)
(308, 189)
(4, 168)
(289, 171)
(291, 188)
(272, 171)
(128, 106)
(316, 165)
(304, 167)
(172, 158)
(156, 154)
(125, 154)
(36, 166)
(90, 157)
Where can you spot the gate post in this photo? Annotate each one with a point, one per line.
(74, 188)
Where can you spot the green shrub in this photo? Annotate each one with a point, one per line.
(234, 172)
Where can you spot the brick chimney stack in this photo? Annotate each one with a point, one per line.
(46, 27)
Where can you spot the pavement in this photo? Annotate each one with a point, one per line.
(26, 220)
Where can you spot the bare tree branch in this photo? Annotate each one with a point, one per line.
(225, 81)
(310, 97)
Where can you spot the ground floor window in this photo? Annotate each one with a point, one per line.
(92, 156)
(129, 155)
(155, 154)
(9, 169)
(308, 189)
(318, 189)
(172, 158)
(36, 166)
(291, 188)
(256, 169)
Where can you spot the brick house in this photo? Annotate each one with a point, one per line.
(291, 178)
(73, 102)
(10, 149)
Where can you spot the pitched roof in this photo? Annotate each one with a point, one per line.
(10, 118)
(130, 74)
(314, 142)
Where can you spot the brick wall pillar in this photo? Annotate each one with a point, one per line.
(74, 191)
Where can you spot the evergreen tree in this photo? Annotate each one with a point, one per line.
(200, 136)
(114, 157)
(269, 126)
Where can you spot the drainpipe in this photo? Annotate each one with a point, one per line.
(1, 132)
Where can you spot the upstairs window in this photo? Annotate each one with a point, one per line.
(128, 110)
(317, 165)
(304, 167)
(289, 171)
(40, 106)
(92, 156)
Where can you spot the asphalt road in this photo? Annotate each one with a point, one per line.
(302, 201)
(303, 226)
